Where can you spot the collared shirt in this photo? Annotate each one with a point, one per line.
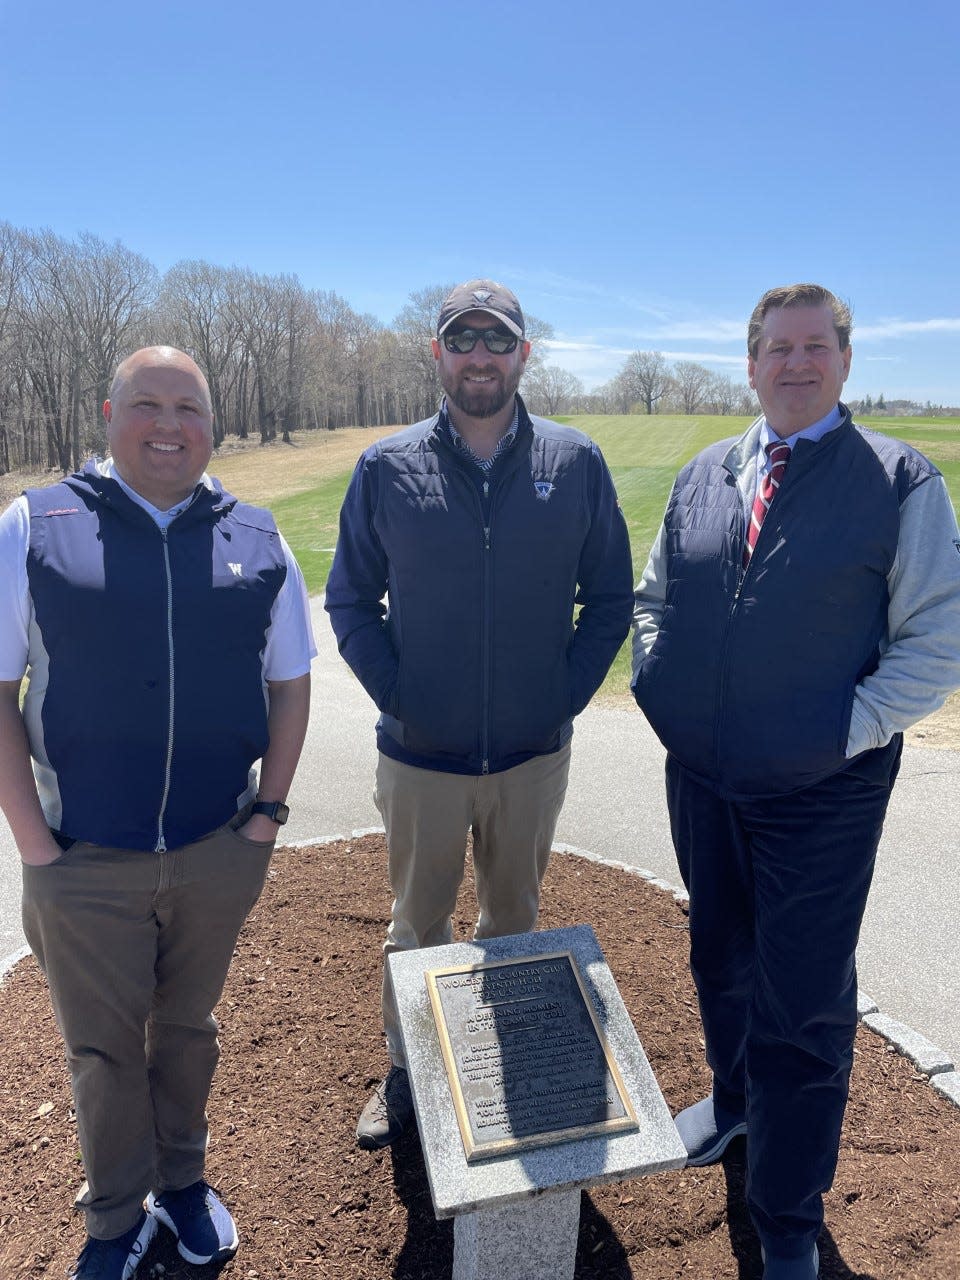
(162, 519)
(816, 431)
(503, 444)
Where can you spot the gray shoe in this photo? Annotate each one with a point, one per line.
(806, 1267)
(388, 1113)
(707, 1129)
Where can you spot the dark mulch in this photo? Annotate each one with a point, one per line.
(302, 1049)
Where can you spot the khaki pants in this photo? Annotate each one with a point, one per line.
(136, 948)
(427, 815)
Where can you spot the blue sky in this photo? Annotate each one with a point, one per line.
(638, 175)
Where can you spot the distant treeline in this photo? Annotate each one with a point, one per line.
(278, 357)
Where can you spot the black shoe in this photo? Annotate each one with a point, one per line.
(388, 1113)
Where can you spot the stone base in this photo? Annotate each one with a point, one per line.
(460, 1187)
(529, 1240)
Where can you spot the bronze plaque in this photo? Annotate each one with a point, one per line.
(526, 1058)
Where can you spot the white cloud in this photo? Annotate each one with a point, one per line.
(904, 328)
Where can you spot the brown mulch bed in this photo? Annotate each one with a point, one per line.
(302, 1049)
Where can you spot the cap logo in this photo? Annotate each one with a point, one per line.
(482, 295)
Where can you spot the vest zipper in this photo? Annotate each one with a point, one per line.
(161, 841)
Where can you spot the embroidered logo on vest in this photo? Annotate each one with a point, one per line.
(544, 488)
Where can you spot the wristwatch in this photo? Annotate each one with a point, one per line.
(276, 810)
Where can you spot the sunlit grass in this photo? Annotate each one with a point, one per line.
(304, 483)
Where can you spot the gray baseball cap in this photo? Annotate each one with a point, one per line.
(482, 295)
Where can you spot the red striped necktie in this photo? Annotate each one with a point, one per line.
(779, 455)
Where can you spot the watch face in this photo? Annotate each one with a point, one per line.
(281, 813)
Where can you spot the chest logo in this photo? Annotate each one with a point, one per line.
(543, 489)
(235, 569)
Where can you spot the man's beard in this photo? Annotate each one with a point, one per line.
(486, 400)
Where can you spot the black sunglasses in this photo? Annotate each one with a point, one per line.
(497, 341)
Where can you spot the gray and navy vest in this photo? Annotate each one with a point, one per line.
(147, 706)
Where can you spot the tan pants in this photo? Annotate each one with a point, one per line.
(136, 948)
(427, 815)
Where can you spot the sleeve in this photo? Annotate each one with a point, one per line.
(920, 659)
(648, 603)
(604, 587)
(14, 590)
(357, 586)
(290, 646)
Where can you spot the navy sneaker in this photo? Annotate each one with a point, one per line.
(707, 1129)
(115, 1259)
(203, 1226)
(806, 1267)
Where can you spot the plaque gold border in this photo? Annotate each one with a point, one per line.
(507, 1146)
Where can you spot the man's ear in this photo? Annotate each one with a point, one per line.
(107, 410)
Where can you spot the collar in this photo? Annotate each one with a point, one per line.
(816, 430)
(107, 468)
(503, 444)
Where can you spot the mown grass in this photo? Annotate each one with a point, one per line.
(304, 485)
(938, 438)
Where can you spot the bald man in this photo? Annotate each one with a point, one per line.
(165, 631)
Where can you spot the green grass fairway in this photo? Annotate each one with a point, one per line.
(308, 521)
(938, 438)
(304, 486)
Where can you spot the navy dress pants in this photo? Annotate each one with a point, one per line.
(778, 888)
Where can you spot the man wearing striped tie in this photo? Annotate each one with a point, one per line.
(800, 608)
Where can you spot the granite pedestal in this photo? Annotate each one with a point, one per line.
(517, 1215)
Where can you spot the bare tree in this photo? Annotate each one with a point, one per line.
(550, 390)
(116, 296)
(690, 382)
(419, 388)
(645, 378)
(721, 394)
(327, 391)
(53, 344)
(12, 265)
(196, 315)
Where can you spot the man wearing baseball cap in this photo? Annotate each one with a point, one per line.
(483, 527)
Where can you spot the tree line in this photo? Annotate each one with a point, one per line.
(279, 357)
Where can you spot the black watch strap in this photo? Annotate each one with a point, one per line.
(276, 810)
